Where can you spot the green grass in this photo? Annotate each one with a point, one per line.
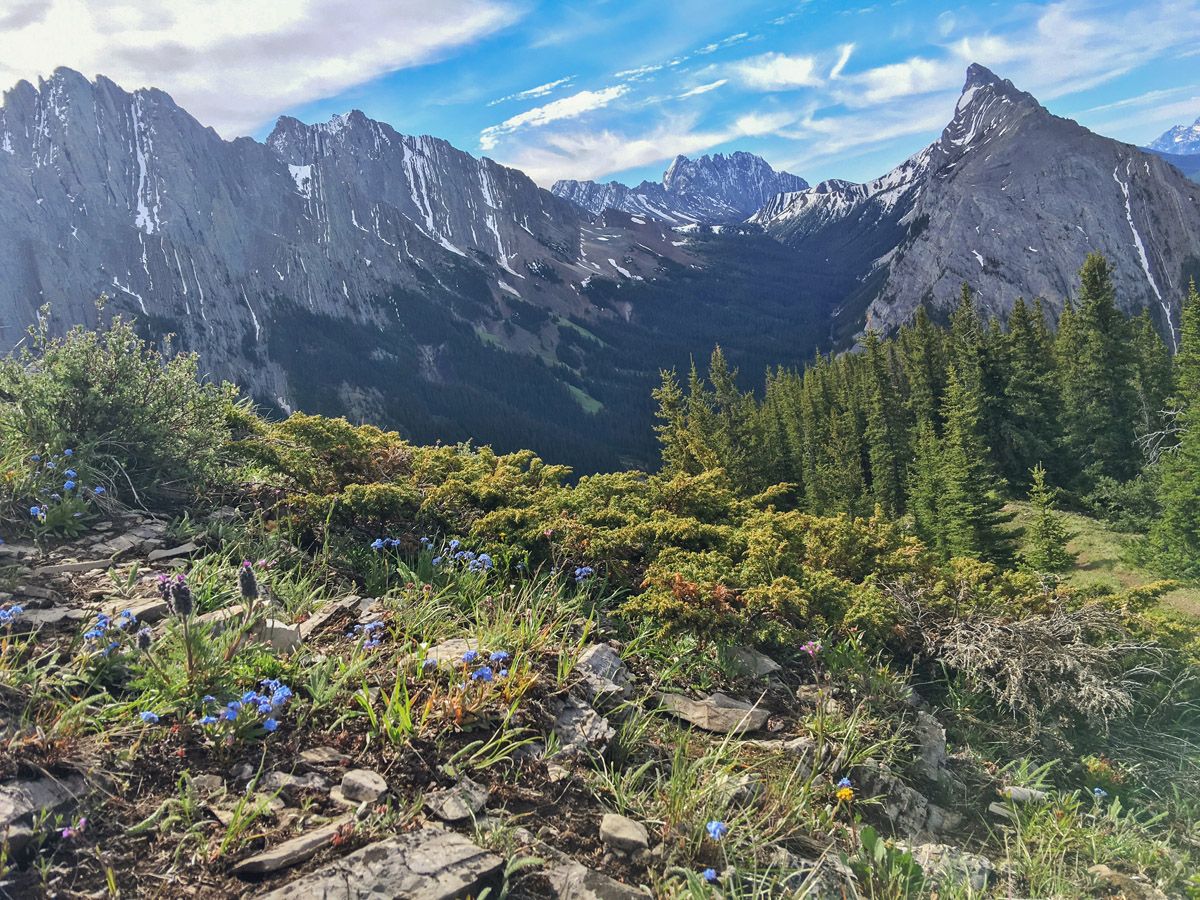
(1104, 559)
(587, 401)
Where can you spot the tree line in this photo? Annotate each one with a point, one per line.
(943, 423)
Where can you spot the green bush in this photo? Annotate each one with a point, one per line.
(141, 415)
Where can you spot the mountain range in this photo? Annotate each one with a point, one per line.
(712, 190)
(343, 267)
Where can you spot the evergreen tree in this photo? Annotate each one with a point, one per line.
(1028, 432)
(972, 515)
(1187, 360)
(885, 431)
(1153, 382)
(1175, 537)
(1045, 548)
(1098, 372)
(672, 425)
(923, 359)
(927, 488)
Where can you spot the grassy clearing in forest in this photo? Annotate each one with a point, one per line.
(1104, 559)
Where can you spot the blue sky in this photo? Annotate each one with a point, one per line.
(615, 88)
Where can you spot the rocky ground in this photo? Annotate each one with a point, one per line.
(582, 773)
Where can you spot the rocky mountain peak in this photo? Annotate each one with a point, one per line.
(1182, 140)
(713, 189)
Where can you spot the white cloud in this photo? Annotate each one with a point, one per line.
(566, 108)
(945, 24)
(723, 43)
(236, 64)
(703, 88)
(836, 71)
(540, 91)
(778, 71)
(904, 79)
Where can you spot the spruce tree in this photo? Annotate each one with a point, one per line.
(1153, 360)
(885, 432)
(1046, 537)
(923, 359)
(1029, 430)
(972, 517)
(1097, 374)
(927, 488)
(1175, 537)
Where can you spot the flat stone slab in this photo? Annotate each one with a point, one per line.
(146, 609)
(65, 568)
(430, 864)
(449, 654)
(20, 801)
(169, 552)
(717, 712)
(289, 853)
(575, 881)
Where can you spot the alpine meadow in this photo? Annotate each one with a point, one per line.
(649, 500)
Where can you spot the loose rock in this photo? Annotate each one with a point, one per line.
(717, 712)
(623, 834)
(459, 803)
(363, 784)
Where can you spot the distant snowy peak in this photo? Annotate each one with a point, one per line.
(1182, 140)
(714, 189)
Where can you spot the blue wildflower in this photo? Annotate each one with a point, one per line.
(377, 544)
(583, 573)
(425, 542)
(455, 544)
(470, 656)
(98, 489)
(70, 473)
(36, 457)
(437, 561)
(429, 662)
(498, 656)
(208, 698)
(484, 674)
(208, 720)
(844, 783)
(68, 452)
(717, 830)
(270, 724)
(229, 714)
(149, 718)
(68, 485)
(710, 875)
(1099, 793)
(35, 511)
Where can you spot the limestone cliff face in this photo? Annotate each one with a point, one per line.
(1010, 199)
(124, 193)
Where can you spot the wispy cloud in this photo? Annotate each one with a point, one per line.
(540, 91)
(843, 58)
(723, 43)
(778, 72)
(703, 88)
(567, 108)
